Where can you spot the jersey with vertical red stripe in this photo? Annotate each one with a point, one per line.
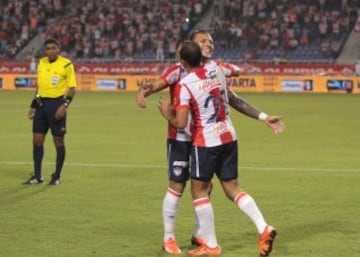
(204, 92)
(172, 76)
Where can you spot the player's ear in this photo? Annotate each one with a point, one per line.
(185, 64)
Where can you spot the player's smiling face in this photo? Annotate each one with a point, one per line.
(206, 44)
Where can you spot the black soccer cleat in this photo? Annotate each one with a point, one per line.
(33, 181)
(55, 181)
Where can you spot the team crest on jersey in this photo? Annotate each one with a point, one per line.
(212, 74)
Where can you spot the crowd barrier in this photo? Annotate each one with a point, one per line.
(244, 83)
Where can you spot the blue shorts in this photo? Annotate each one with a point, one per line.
(45, 117)
(220, 160)
(178, 153)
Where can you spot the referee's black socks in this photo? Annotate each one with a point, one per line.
(60, 157)
(38, 153)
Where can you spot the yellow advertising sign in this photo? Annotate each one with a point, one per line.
(246, 83)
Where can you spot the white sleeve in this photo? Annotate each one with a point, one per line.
(184, 95)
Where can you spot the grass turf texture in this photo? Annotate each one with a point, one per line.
(109, 205)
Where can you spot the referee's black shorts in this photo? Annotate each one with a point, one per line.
(45, 117)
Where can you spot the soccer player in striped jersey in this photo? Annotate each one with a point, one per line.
(179, 140)
(204, 95)
(56, 85)
(178, 154)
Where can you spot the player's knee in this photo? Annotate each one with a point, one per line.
(58, 141)
(177, 186)
(231, 188)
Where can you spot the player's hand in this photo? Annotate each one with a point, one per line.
(60, 112)
(276, 124)
(31, 113)
(141, 95)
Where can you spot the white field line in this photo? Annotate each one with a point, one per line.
(151, 166)
(25, 109)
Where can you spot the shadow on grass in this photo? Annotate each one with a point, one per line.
(15, 190)
(305, 232)
(21, 192)
(246, 242)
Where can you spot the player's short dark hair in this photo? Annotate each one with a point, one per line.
(198, 31)
(52, 41)
(190, 52)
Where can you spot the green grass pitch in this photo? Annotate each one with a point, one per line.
(306, 181)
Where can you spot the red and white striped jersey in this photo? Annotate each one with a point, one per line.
(172, 76)
(204, 91)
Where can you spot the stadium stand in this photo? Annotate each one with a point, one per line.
(299, 31)
(125, 30)
(284, 31)
(22, 20)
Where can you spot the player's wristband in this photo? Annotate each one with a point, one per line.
(36, 102)
(33, 104)
(262, 116)
(68, 100)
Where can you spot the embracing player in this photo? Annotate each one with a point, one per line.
(203, 95)
(179, 140)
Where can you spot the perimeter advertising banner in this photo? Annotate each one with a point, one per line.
(129, 82)
(246, 83)
(340, 84)
(113, 83)
(317, 84)
(9, 66)
(17, 81)
(298, 84)
(85, 81)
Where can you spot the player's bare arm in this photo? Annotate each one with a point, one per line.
(147, 90)
(164, 108)
(61, 111)
(239, 104)
(177, 118)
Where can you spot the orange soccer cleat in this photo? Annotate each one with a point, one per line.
(171, 246)
(205, 250)
(266, 240)
(197, 241)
